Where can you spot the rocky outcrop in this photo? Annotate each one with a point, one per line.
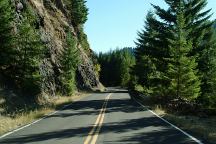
(60, 5)
(52, 22)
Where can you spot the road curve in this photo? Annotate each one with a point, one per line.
(102, 118)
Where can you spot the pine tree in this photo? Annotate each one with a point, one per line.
(127, 60)
(29, 54)
(143, 51)
(204, 48)
(182, 73)
(207, 65)
(6, 37)
(196, 19)
(150, 55)
(70, 61)
(79, 12)
(115, 67)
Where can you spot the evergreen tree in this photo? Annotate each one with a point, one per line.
(79, 12)
(144, 62)
(207, 66)
(151, 52)
(70, 61)
(127, 61)
(203, 46)
(29, 54)
(182, 72)
(196, 19)
(6, 36)
(115, 67)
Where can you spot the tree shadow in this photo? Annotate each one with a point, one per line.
(153, 132)
(93, 107)
(113, 90)
(158, 134)
(144, 129)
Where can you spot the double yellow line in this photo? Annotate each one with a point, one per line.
(93, 134)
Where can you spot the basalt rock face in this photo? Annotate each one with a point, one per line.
(52, 23)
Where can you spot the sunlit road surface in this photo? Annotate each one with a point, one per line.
(103, 118)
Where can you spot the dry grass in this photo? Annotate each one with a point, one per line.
(203, 127)
(8, 123)
(158, 110)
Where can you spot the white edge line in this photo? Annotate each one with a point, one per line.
(185, 133)
(36, 121)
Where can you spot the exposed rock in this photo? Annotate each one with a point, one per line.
(19, 7)
(48, 81)
(52, 24)
(86, 71)
(60, 5)
(47, 4)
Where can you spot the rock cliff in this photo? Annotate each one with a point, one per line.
(52, 22)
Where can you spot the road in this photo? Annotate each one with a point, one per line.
(102, 118)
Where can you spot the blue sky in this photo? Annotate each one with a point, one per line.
(114, 23)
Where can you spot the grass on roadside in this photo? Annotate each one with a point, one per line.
(203, 127)
(8, 123)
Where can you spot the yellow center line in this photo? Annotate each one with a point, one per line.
(93, 134)
(94, 139)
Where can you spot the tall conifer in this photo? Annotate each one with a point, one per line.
(201, 35)
(69, 62)
(79, 12)
(182, 72)
(6, 35)
(29, 53)
(151, 52)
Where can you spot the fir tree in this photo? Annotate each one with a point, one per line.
(143, 51)
(70, 61)
(150, 55)
(182, 73)
(6, 36)
(207, 65)
(127, 61)
(29, 54)
(203, 46)
(115, 67)
(79, 12)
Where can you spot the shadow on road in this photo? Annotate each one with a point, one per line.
(113, 90)
(164, 136)
(156, 135)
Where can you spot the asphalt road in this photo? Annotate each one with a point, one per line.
(102, 118)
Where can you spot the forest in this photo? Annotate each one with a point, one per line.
(116, 67)
(174, 58)
(26, 50)
(45, 56)
(178, 50)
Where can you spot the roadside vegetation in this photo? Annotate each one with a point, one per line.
(175, 57)
(172, 69)
(199, 124)
(175, 68)
(116, 67)
(175, 65)
(25, 115)
(35, 78)
(175, 54)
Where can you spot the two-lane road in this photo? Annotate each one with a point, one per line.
(103, 118)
